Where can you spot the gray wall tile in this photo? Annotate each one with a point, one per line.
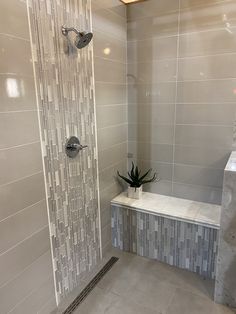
(194, 123)
(25, 260)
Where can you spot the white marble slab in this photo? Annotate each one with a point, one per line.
(231, 164)
(172, 207)
(225, 288)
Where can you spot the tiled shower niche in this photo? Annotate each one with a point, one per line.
(65, 90)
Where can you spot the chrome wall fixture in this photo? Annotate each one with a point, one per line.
(82, 39)
(73, 147)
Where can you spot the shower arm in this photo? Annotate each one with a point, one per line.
(66, 30)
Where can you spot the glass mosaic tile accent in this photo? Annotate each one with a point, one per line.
(177, 243)
(65, 90)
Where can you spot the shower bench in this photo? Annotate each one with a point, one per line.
(179, 232)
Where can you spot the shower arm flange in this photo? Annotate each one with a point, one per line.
(66, 30)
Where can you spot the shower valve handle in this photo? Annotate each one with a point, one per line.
(73, 147)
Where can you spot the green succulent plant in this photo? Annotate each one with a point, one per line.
(135, 179)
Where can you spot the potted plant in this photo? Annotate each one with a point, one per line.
(136, 181)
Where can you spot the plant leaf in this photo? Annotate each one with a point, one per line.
(151, 179)
(132, 170)
(124, 178)
(145, 174)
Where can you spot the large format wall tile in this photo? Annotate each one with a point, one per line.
(15, 229)
(107, 20)
(148, 72)
(16, 291)
(158, 26)
(17, 92)
(25, 259)
(14, 19)
(205, 114)
(110, 45)
(151, 8)
(110, 94)
(209, 16)
(18, 128)
(207, 67)
(151, 49)
(181, 92)
(207, 43)
(8, 61)
(27, 252)
(29, 161)
(26, 191)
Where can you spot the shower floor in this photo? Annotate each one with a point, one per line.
(136, 285)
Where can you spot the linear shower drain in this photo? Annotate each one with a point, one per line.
(91, 285)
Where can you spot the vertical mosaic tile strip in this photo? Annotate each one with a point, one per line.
(177, 243)
(64, 79)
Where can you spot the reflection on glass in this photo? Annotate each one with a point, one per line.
(12, 88)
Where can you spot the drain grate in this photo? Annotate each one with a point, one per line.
(84, 293)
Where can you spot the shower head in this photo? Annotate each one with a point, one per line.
(82, 39)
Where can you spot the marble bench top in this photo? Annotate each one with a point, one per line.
(174, 208)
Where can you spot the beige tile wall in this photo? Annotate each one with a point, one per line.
(110, 41)
(26, 283)
(182, 92)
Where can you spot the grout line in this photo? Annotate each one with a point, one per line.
(113, 165)
(185, 81)
(30, 294)
(108, 187)
(24, 269)
(114, 83)
(112, 146)
(209, 187)
(16, 37)
(217, 29)
(176, 97)
(96, 138)
(109, 105)
(151, 38)
(110, 83)
(18, 75)
(22, 241)
(184, 57)
(22, 178)
(110, 60)
(198, 166)
(228, 150)
(113, 126)
(18, 111)
(18, 146)
(183, 103)
(111, 35)
(52, 298)
(163, 14)
(109, 11)
(184, 124)
(19, 212)
(212, 5)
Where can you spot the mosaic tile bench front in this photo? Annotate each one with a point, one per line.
(185, 245)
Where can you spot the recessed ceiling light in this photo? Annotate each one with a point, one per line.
(131, 1)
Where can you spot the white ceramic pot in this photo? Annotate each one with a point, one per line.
(135, 193)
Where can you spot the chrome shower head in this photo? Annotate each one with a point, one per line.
(82, 39)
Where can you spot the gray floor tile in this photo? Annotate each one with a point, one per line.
(185, 302)
(143, 286)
